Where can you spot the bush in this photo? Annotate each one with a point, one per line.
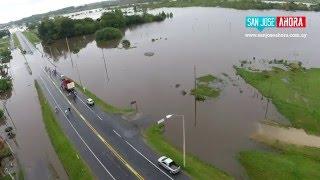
(1, 114)
(5, 56)
(4, 32)
(5, 84)
(126, 43)
(108, 33)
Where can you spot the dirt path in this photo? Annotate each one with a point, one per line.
(288, 135)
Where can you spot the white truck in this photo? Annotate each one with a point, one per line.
(169, 164)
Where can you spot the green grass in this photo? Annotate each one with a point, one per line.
(74, 166)
(7, 177)
(21, 174)
(195, 168)
(5, 152)
(4, 43)
(266, 165)
(16, 41)
(204, 89)
(294, 93)
(103, 105)
(291, 149)
(32, 36)
(206, 78)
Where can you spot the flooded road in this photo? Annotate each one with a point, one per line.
(32, 145)
(212, 39)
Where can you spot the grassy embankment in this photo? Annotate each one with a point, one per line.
(74, 166)
(196, 168)
(32, 36)
(16, 41)
(295, 93)
(289, 162)
(103, 105)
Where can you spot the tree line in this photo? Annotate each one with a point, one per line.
(4, 32)
(62, 27)
(238, 4)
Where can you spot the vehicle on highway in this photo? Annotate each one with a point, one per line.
(67, 84)
(169, 164)
(90, 102)
(8, 129)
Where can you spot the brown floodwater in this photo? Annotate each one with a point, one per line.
(31, 144)
(212, 39)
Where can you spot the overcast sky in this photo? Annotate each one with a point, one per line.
(16, 9)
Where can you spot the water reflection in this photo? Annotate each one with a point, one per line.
(59, 48)
(195, 36)
(108, 44)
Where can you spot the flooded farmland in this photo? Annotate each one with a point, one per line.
(193, 37)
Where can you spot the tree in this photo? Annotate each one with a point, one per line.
(113, 19)
(5, 56)
(5, 84)
(64, 26)
(47, 30)
(4, 32)
(1, 114)
(108, 33)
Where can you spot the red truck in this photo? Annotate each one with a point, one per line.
(67, 84)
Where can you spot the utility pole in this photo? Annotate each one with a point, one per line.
(268, 100)
(50, 52)
(69, 51)
(105, 64)
(195, 99)
(77, 67)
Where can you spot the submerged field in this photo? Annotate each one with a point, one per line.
(295, 93)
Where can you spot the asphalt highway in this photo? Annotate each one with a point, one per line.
(112, 146)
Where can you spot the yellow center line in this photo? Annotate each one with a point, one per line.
(100, 137)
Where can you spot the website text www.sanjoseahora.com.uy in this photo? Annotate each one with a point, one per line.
(275, 35)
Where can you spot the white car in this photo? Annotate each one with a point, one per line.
(169, 164)
(90, 102)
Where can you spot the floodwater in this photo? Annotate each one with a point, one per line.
(31, 144)
(212, 39)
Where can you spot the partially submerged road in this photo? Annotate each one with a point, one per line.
(111, 145)
(25, 43)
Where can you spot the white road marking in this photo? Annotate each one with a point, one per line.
(116, 133)
(97, 134)
(76, 130)
(89, 107)
(148, 160)
(83, 103)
